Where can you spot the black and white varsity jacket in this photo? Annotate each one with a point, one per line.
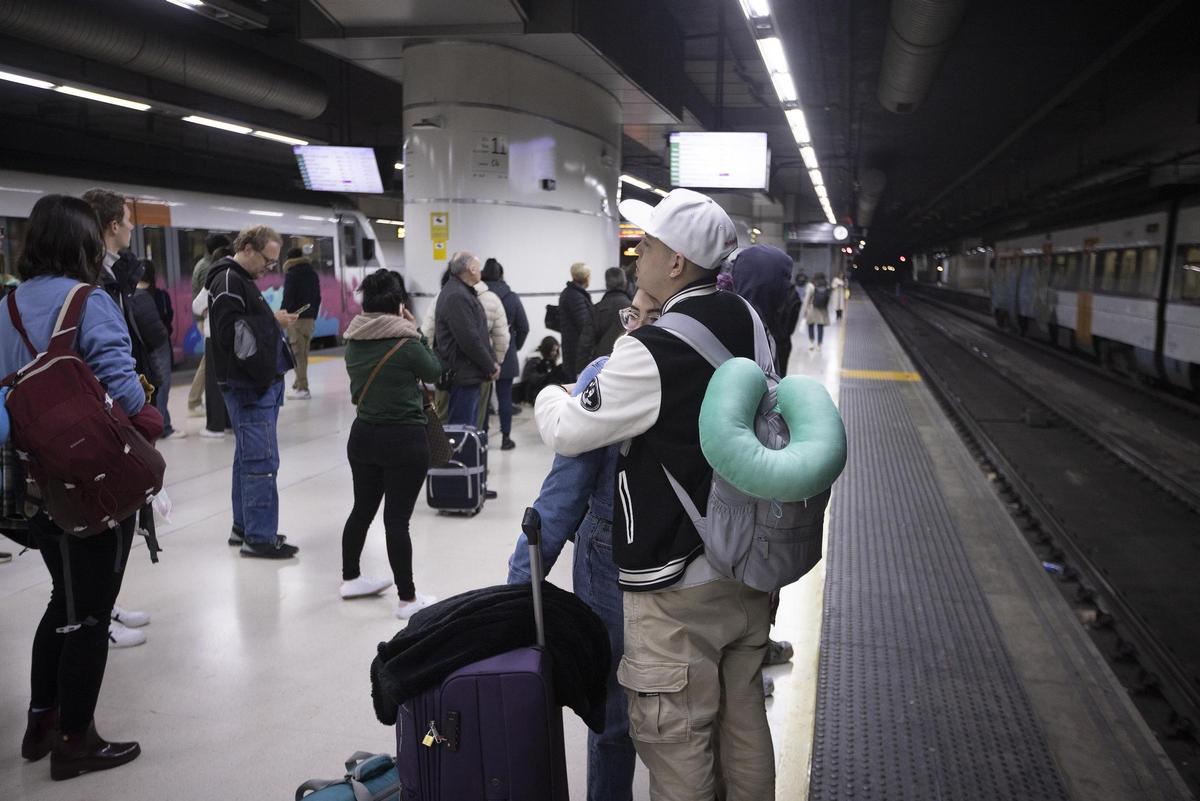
(649, 393)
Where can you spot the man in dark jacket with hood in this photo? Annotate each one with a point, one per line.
(608, 312)
(762, 274)
(577, 317)
(302, 297)
(250, 358)
(461, 338)
(518, 329)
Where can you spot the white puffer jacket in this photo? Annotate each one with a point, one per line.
(497, 320)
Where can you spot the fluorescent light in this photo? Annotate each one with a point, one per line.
(638, 182)
(816, 177)
(799, 125)
(34, 82)
(822, 192)
(21, 190)
(224, 126)
(810, 157)
(390, 222)
(784, 87)
(657, 191)
(226, 208)
(755, 8)
(773, 56)
(311, 218)
(274, 137)
(99, 98)
(399, 165)
(187, 3)
(261, 213)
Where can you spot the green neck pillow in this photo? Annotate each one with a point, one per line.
(810, 462)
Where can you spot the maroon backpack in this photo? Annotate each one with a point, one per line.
(92, 468)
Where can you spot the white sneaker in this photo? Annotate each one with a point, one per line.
(406, 609)
(178, 433)
(123, 637)
(364, 586)
(299, 394)
(196, 411)
(212, 434)
(129, 618)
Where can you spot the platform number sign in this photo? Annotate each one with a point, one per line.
(489, 156)
(439, 233)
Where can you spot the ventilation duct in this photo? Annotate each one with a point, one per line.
(118, 39)
(870, 187)
(919, 33)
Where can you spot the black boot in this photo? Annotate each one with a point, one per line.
(40, 734)
(77, 754)
(506, 443)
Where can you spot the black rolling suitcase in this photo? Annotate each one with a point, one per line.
(460, 485)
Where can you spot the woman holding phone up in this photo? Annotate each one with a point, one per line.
(386, 357)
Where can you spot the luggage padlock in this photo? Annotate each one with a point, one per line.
(432, 736)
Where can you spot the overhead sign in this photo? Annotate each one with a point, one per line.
(489, 156)
(326, 168)
(720, 159)
(820, 233)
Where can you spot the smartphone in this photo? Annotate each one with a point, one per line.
(302, 309)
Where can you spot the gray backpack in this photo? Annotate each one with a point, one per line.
(763, 543)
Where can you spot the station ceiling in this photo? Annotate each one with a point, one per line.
(1040, 109)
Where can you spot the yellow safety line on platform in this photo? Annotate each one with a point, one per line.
(882, 375)
(319, 359)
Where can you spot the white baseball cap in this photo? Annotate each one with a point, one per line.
(687, 222)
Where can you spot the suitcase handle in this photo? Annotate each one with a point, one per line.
(531, 524)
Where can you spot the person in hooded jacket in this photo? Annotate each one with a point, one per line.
(762, 275)
(157, 339)
(387, 449)
(518, 328)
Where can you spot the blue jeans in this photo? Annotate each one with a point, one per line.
(611, 755)
(160, 365)
(464, 406)
(254, 416)
(504, 404)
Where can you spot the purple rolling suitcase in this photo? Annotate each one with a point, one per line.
(492, 731)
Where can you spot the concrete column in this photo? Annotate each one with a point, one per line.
(508, 156)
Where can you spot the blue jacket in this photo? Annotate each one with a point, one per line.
(102, 339)
(575, 485)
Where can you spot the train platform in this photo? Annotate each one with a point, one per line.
(934, 657)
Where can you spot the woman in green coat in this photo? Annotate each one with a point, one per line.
(387, 449)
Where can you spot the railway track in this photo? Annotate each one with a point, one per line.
(1122, 530)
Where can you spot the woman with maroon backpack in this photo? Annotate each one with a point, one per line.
(64, 248)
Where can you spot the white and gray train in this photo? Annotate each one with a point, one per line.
(1125, 291)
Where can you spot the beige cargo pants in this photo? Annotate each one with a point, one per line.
(692, 672)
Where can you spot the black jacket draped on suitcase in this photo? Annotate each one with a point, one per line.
(482, 623)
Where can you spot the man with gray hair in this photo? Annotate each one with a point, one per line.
(461, 338)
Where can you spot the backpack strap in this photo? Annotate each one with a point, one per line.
(686, 501)
(67, 325)
(704, 342)
(14, 315)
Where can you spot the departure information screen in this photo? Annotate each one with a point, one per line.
(719, 160)
(338, 169)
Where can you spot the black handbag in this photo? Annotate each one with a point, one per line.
(552, 319)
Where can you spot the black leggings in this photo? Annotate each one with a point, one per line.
(820, 332)
(68, 668)
(386, 461)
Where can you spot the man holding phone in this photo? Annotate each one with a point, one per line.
(301, 297)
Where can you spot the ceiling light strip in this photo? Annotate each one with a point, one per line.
(100, 98)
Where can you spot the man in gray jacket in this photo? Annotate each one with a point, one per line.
(461, 338)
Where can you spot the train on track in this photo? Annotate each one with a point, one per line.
(1125, 291)
(170, 229)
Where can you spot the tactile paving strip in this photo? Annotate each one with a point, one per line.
(916, 695)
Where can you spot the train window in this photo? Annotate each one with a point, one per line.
(1108, 271)
(1071, 280)
(1148, 280)
(1189, 272)
(1127, 280)
(1087, 281)
(1058, 271)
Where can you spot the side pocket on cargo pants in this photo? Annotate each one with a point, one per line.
(658, 704)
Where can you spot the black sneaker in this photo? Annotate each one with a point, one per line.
(238, 537)
(507, 444)
(278, 549)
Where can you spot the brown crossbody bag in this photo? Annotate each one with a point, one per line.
(440, 449)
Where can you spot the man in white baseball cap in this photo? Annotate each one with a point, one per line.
(694, 640)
